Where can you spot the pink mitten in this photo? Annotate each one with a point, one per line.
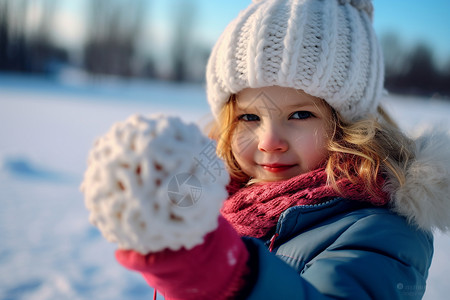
(212, 270)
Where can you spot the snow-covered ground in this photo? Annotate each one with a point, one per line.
(48, 250)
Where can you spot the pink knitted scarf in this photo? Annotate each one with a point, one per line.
(254, 210)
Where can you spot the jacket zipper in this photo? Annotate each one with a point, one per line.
(272, 241)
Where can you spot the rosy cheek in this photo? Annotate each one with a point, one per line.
(320, 147)
(242, 141)
(307, 142)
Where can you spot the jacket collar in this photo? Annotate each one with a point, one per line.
(299, 218)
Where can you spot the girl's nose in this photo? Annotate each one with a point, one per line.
(271, 139)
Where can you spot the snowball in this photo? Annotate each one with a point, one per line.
(154, 183)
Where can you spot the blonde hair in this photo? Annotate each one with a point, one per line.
(363, 150)
(221, 131)
(359, 151)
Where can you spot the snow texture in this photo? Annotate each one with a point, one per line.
(146, 188)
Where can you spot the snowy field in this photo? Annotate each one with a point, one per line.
(48, 250)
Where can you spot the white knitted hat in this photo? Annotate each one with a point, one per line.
(327, 48)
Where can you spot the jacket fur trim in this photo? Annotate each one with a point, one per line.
(424, 198)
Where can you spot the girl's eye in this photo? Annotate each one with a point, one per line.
(301, 115)
(248, 117)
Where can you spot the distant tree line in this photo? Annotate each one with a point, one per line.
(113, 40)
(21, 51)
(115, 34)
(414, 71)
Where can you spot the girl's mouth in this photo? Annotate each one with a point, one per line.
(277, 168)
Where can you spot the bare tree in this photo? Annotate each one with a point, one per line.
(182, 39)
(23, 48)
(42, 50)
(13, 47)
(4, 36)
(422, 73)
(394, 54)
(114, 27)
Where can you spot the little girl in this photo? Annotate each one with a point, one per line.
(327, 199)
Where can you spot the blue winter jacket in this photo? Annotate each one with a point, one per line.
(340, 249)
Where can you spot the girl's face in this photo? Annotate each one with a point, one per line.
(280, 132)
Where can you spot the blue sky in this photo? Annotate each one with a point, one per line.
(416, 21)
(413, 20)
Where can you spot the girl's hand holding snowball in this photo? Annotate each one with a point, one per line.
(148, 191)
